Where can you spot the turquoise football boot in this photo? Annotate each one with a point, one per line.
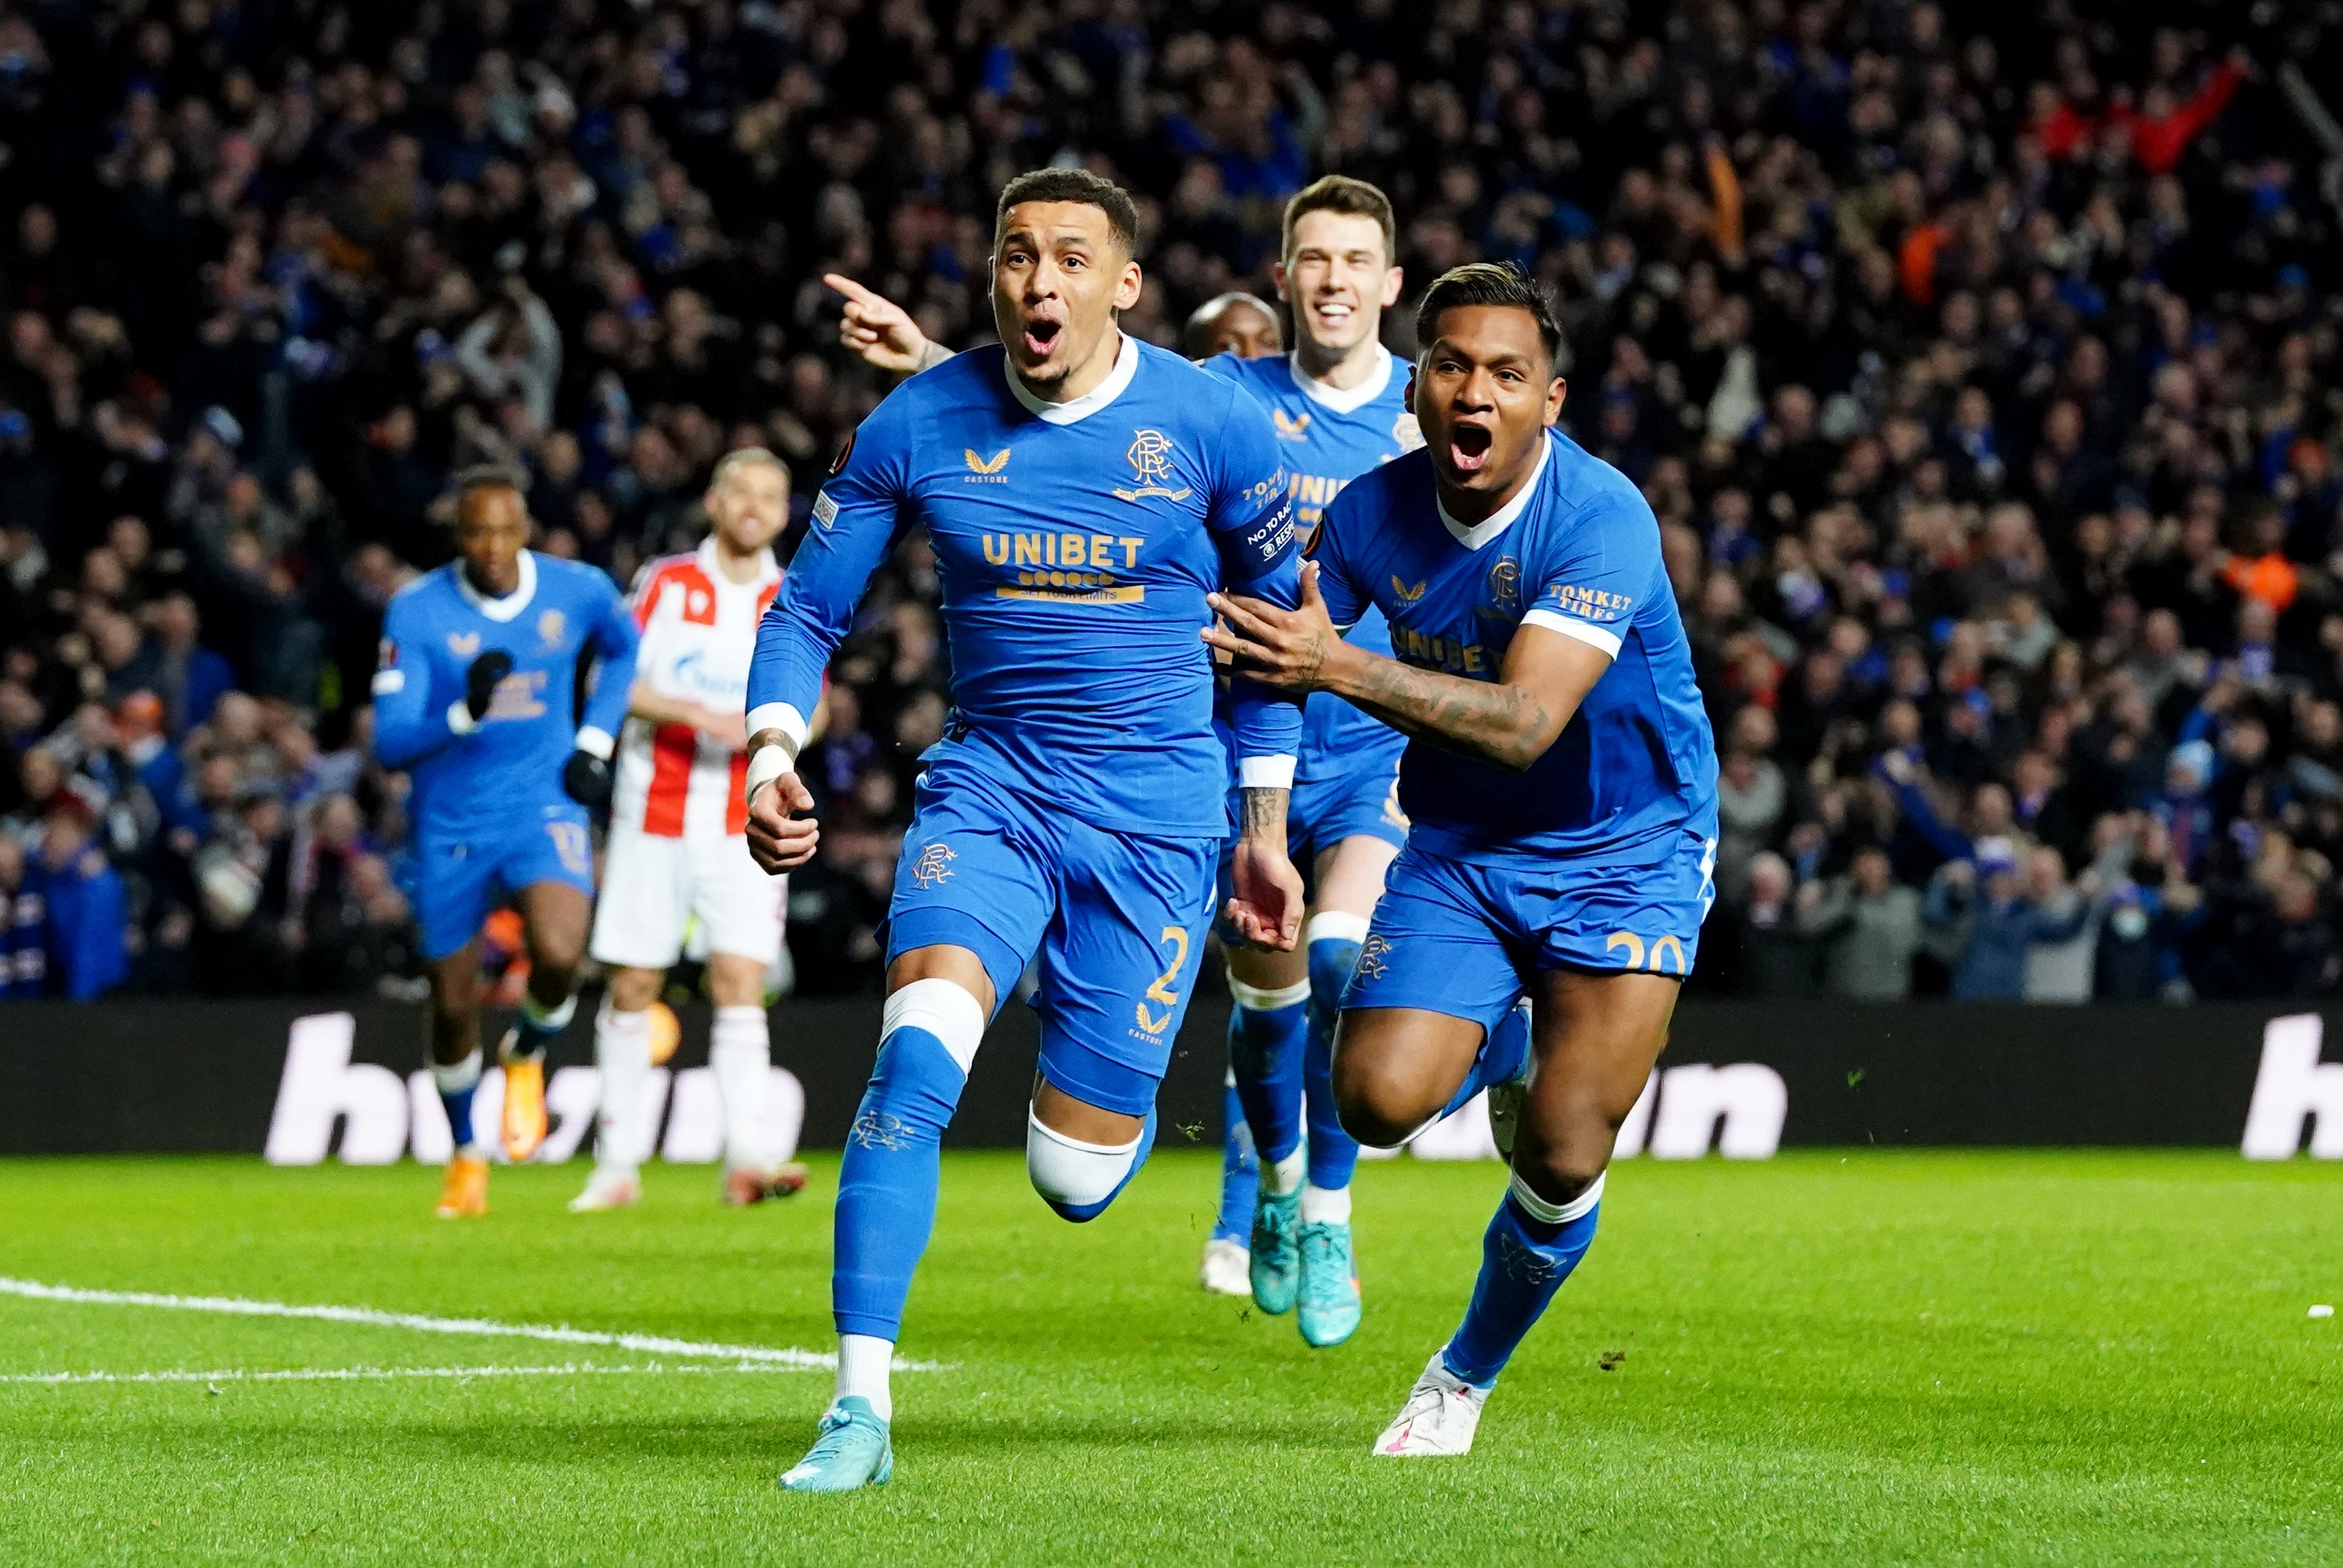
(852, 1451)
(1330, 1285)
(1276, 1261)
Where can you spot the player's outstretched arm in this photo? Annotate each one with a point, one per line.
(1507, 723)
(881, 331)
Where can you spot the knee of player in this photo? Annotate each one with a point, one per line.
(1078, 1180)
(1560, 1170)
(1376, 1106)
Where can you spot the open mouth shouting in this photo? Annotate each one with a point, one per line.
(1468, 447)
(1041, 335)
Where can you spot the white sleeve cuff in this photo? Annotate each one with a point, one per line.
(783, 717)
(1265, 773)
(1571, 626)
(595, 741)
(460, 718)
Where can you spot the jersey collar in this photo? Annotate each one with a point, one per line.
(767, 569)
(1343, 399)
(1478, 534)
(513, 603)
(1126, 366)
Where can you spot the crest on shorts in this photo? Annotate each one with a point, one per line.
(933, 868)
(1149, 458)
(1372, 956)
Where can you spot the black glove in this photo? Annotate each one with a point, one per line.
(586, 778)
(481, 681)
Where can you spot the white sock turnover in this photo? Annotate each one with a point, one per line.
(1325, 1205)
(862, 1363)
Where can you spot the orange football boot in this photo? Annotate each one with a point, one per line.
(464, 1193)
(524, 1116)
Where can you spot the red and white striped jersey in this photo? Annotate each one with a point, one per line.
(698, 632)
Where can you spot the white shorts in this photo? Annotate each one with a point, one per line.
(652, 887)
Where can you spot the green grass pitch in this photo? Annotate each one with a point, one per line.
(1987, 1358)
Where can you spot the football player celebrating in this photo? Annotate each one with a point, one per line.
(1083, 491)
(1562, 783)
(475, 699)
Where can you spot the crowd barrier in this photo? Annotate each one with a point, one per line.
(303, 1081)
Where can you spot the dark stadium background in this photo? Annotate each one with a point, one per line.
(1981, 361)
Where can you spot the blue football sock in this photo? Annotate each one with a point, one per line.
(1502, 1058)
(539, 1026)
(1265, 1049)
(887, 1182)
(1082, 1214)
(1333, 1154)
(1523, 1260)
(1239, 1186)
(457, 1083)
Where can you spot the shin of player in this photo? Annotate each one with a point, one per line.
(1066, 817)
(678, 850)
(1528, 602)
(474, 698)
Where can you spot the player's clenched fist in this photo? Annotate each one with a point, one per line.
(781, 837)
(481, 681)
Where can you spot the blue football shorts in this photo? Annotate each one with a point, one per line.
(1464, 937)
(1117, 918)
(454, 880)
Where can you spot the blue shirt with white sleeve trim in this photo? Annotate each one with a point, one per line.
(1075, 543)
(1576, 551)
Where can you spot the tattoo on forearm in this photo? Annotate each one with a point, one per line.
(1488, 721)
(1263, 810)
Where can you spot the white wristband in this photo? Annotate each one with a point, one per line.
(460, 718)
(1265, 773)
(765, 764)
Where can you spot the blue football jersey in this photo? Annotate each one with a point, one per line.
(1578, 552)
(471, 779)
(1330, 437)
(1076, 543)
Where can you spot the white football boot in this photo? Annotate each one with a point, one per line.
(1228, 1268)
(1442, 1413)
(606, 1190)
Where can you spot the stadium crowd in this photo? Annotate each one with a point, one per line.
(1983, 364)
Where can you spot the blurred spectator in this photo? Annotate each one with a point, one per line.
(83, 903)
(1869, 928)
(1776, 950)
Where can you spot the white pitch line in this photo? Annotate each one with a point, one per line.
(241, 1306)
(368, 1374)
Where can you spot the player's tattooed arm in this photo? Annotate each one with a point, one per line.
(1263, 814)
(1507, 723)
(1266, 904)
